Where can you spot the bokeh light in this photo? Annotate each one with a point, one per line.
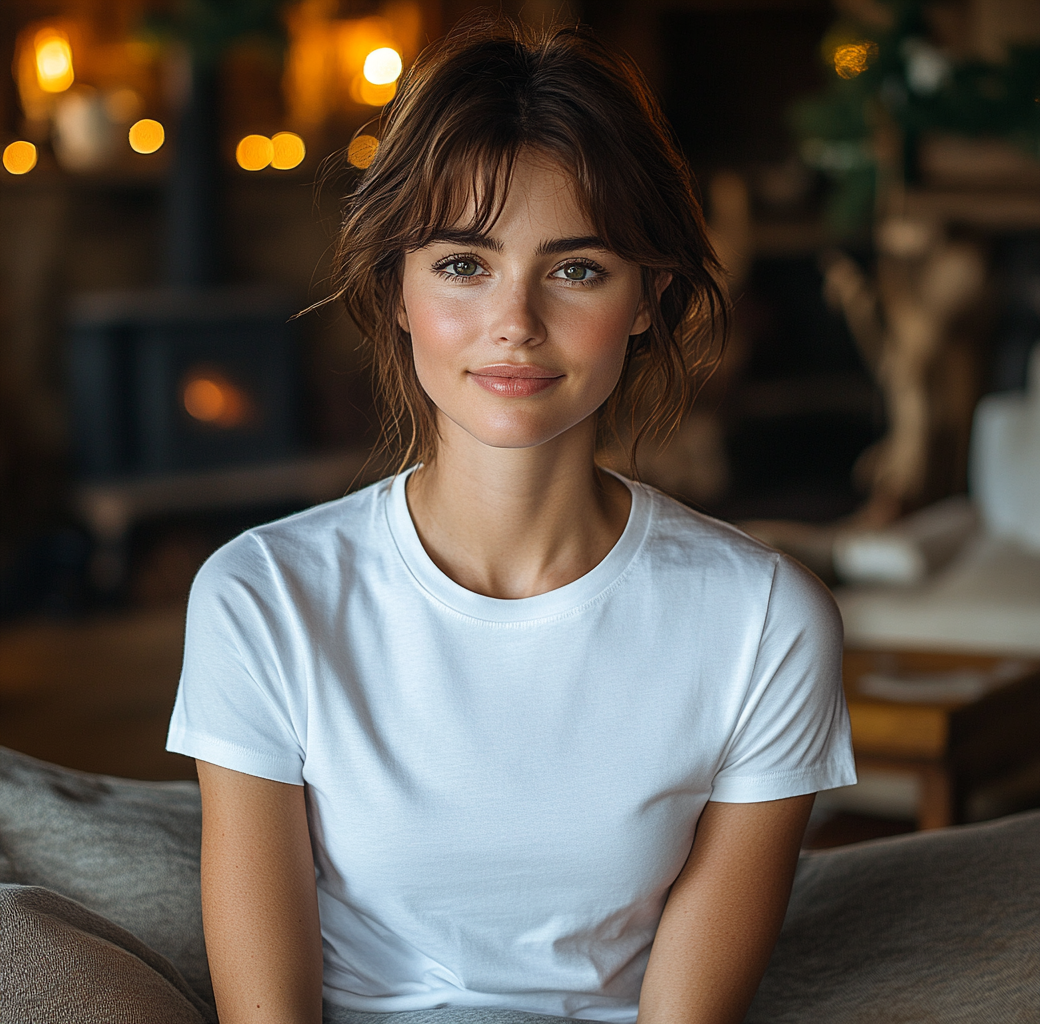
(54, 70)
(146, 136)
(20, 157)
(362, 150)
(373, 95)
(852, 59)
(287, 151)
(254, 152)
(383, 66)
(210, 399)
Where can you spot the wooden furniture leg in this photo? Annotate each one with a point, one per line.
(935, 808)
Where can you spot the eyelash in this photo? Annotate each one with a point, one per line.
(440, 269)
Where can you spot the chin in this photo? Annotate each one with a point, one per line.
(513, 434)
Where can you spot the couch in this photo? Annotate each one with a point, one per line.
(941, 926)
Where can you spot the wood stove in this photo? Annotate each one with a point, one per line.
(177, 380)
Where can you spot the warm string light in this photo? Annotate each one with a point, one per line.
(283, 151)
(383, 66)
(336, 63)
(362, 150)
(254, 152)
(377, 83)
(146, 136)
(852, 59)
(19, 157)
(287, 151)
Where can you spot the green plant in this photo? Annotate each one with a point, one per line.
(888, 74)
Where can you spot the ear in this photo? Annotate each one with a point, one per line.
(402, 318)
(643, 318)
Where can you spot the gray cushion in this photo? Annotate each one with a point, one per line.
(126, 850)
(64, 964)
(937, 926)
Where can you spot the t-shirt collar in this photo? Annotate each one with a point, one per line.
(594, 585)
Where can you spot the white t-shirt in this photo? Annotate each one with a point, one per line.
(501, 792)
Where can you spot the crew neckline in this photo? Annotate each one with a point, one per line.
(553, 603)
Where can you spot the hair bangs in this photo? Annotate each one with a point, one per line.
(462, 188)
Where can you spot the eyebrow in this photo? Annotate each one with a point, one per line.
(550, 247)
(474, 239)
(557, 246)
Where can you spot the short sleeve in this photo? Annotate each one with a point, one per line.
(792, 736)
(236, 706)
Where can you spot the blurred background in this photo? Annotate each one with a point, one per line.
(871, 173)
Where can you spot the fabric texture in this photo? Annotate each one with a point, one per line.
(501, 793)
(939, 926)
(68, 965)
(460, 1015)
(126, 850)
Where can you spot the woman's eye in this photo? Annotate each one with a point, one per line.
(462, 268)
(577, 272)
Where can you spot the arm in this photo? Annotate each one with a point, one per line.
(259, 900)
(724, 913)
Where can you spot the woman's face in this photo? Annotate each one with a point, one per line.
(520, 334)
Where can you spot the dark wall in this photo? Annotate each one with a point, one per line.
(731, 75)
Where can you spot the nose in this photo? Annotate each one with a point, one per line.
(517, 319)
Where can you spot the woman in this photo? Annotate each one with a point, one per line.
(507, 731)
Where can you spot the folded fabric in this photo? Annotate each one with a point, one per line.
(986, 602)
(908, 551)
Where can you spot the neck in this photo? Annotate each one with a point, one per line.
(513, 523)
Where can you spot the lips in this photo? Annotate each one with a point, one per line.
(515, 380)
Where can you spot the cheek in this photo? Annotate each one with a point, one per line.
(434, 326)
(599, 336)
(439, 331)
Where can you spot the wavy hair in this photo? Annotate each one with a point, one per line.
(465, 110)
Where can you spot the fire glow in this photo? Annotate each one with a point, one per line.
(210, 398)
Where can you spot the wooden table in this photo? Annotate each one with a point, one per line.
(952, 742)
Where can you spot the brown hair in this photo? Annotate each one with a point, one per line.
(466, 108)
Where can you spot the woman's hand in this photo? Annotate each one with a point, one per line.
(259, 900)
(724, 913)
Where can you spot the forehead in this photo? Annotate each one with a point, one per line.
(495, 195)
(541, 194)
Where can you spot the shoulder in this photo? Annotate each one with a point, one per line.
(735, 566)
(680, 534)
(298, 546)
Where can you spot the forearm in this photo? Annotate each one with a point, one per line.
(259, 901)
(724, 914)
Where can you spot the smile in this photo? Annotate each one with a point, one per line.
(515, 381)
